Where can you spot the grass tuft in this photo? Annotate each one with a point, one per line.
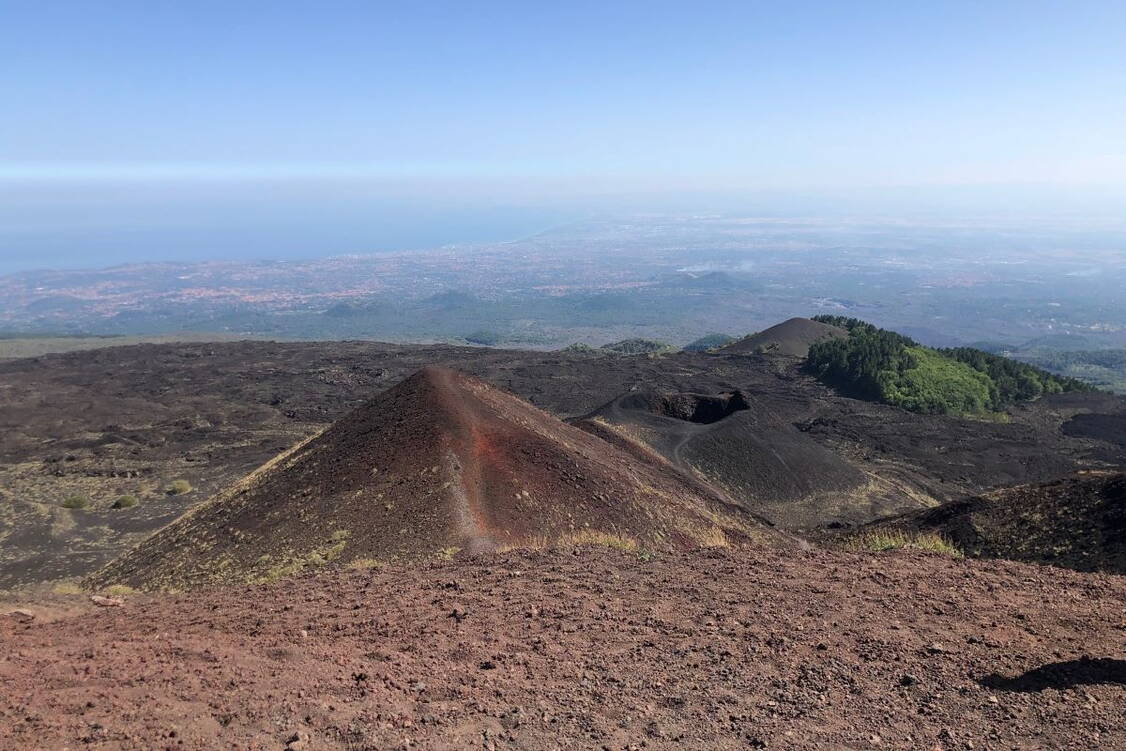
(604, 539)
(178, 487)
(364, 564)
(76, 501)
(713, 537)
(882, 540)
(125, 501)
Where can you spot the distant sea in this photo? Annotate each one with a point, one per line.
(92, 229)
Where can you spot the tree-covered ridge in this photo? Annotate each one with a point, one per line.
(1014, 381)
(873, 363)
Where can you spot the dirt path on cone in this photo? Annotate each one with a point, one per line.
(592, 649)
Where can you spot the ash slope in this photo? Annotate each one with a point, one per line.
(791, 338)
(440, 463)
(742, 444)
(728, 649)
(1077, 522)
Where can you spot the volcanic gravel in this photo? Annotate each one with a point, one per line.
(588, 648)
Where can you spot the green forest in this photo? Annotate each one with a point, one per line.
(880, 365)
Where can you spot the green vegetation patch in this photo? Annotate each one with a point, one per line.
(934, 384)
(1014, 381)
(884, 366)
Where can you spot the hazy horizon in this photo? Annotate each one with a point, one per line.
(284, 130)
(73, 226)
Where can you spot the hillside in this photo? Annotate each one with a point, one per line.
(134, 420)
(593, 648)
(1078, 522)
(742, 444)
(790, 338)
(440, 463)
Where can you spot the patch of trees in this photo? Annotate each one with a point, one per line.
(865, 362)
(638, 347)
(850, 324)
(1013, 381)
(880, 365)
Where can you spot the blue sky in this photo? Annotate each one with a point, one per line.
(453, 101)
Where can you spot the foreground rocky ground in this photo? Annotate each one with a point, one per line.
(592, 648)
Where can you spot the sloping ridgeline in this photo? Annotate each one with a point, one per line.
(880, 365)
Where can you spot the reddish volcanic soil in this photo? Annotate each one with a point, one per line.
(441, 463)
(593, 648)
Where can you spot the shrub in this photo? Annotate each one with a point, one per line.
(76, 501)
(178, 487)
(125, 501)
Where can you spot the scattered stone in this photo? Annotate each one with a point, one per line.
(299, 741)
(107, 602)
